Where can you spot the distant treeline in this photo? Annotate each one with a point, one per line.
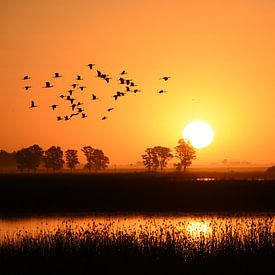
(54, 159)
(33, 157)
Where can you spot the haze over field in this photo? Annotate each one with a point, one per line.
(219, 54)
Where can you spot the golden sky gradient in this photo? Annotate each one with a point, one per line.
(220, 56)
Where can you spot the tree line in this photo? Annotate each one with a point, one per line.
(30, 158)
(157, 157)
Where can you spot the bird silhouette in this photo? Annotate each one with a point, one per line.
(103, 118)
(81, 87)
(122, 80)
(48, 85)
(136, 91)
(165, 78)
(128, 81)
(70, 92)
(74, 85)
(127, 89)
(74, 114)
(99, 73)
(110, 109)
(66, 118)
(54, 106)
(123, 72)
(78, 77)
(73, 106)
(26, 77)
(90, 66)
(59, 118)
(27, 87)
(107, 79)
(94, 97)
(162, 91)
(132, 84)
(57, 75)
(62, 96)
(115, 97)
(80, 110)
(33, 104)
(84, 115)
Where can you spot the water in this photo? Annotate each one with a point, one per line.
(193, 227)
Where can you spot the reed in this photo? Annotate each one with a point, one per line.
(142, 249)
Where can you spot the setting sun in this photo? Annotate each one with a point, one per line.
(199, 133)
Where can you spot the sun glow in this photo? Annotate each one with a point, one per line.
(199, 133)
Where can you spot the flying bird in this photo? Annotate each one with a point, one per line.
(122, 80)
(128, 81)
(70, 92)
(27, 87)
(57, 75)
(123, 72)
(33, 104)
(74, 114)
(54, 106)
(59, 118)
(136, 91)
(80, 110)
(82, 88)
(26, 77)
(84, 115)
(62, 96)
(66, 118)
(161, 92)
(103, 118)
(90, 66)
(165, 78)
(132, 84)
(110, 109)
(78, 77)
(99, 73)
(107, 79)
(48, 85)
(74, 85)
(94, 97)
(127, 89)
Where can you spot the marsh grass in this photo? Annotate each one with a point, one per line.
(245, 246)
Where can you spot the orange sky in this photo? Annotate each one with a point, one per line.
(220, 55)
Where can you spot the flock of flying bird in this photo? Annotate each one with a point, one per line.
(76, 106)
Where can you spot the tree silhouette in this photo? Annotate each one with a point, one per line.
(156, 157)
(53, 158)
(88, 152)
(71, 158)
(185, 152)
(95, 158)
(7, 160)
(149, 159)
(29, 158)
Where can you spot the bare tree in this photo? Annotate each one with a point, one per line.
(53, 158)
(71, 158)
(185, 152)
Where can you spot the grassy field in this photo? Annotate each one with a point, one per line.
(165, 250)
(49, 194)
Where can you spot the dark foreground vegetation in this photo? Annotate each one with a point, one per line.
(49, 194)
(165, 250)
